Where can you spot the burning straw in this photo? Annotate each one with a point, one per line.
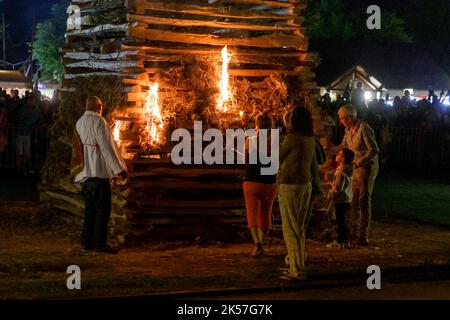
(201, 89)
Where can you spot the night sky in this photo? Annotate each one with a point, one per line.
(23, 15)
(21, 18)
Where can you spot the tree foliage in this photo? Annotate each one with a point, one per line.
(337, 19)
(48, 40)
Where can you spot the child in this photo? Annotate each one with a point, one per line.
(341, 193)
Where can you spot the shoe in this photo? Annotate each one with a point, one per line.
(258, 251)
(344, 245)
(290, 277)
(364, 242)
(86, 247)
(333, 245)
(106, 249)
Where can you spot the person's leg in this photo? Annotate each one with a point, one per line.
(252, 206)
(265, 218)
(103, 214)
(26, 151)
(365, 199)
(290, 198)
(288, 223)
(19, 151)
(312, 202)
(304, 198)
(356, 206)
(347, 219)
(340, 219)
(90, 210)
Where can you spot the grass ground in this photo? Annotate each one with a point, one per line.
(410, 197)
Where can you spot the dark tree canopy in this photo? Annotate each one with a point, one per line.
(344, 20)
(48, 40)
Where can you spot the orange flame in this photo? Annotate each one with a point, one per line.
(116, 131)
(154, 119)
(224, 82)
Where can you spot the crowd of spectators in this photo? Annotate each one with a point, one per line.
(427, 117)
(23, 123)
(402, 112)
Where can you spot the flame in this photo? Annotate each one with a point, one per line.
(154, 119)
(224, 82)
(116, 131)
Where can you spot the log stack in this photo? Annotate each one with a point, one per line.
(139, 41)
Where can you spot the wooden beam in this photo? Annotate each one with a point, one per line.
(200, 172)
(141, 214)
(167, 49)
(172, 203)
(207, 10)
(98, 56)
(211, 24)
(179, 183)
(268, 41)
(105, 65)
(92, 74)
(99, 29)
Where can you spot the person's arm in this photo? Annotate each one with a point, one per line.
(246, 150)
(285, 148)
(316, 179)
(371, 144)
(109, 149)
(338, 184)
(343, 144)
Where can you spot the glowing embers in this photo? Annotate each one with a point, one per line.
(154, 122)
(225, 95)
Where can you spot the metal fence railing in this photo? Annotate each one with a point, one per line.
(410, 147)
(23, 147)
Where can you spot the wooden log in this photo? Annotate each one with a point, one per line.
(212, 24)
(69, 76)
(99, 29)
(171, 203)
(105, 65)
(99, 56)
(267, 41)
(144, 223)
(127, 81)
(75, 211)
(84, 3)
(179, 183)
(188, 173)
(142, 213)
(167, 49)
(73, 199)
(206, 10)
(263, 73)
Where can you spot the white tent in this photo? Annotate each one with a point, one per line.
(13, 80)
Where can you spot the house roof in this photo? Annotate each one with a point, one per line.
(396, 67)
(357, 73)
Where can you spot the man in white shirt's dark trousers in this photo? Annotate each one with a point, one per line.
(102, 161)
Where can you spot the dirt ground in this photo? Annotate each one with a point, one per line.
(36, 250)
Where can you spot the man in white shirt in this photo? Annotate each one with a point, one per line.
(102, 161)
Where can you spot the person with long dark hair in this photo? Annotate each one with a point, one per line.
(259, 190)
(296, 157)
